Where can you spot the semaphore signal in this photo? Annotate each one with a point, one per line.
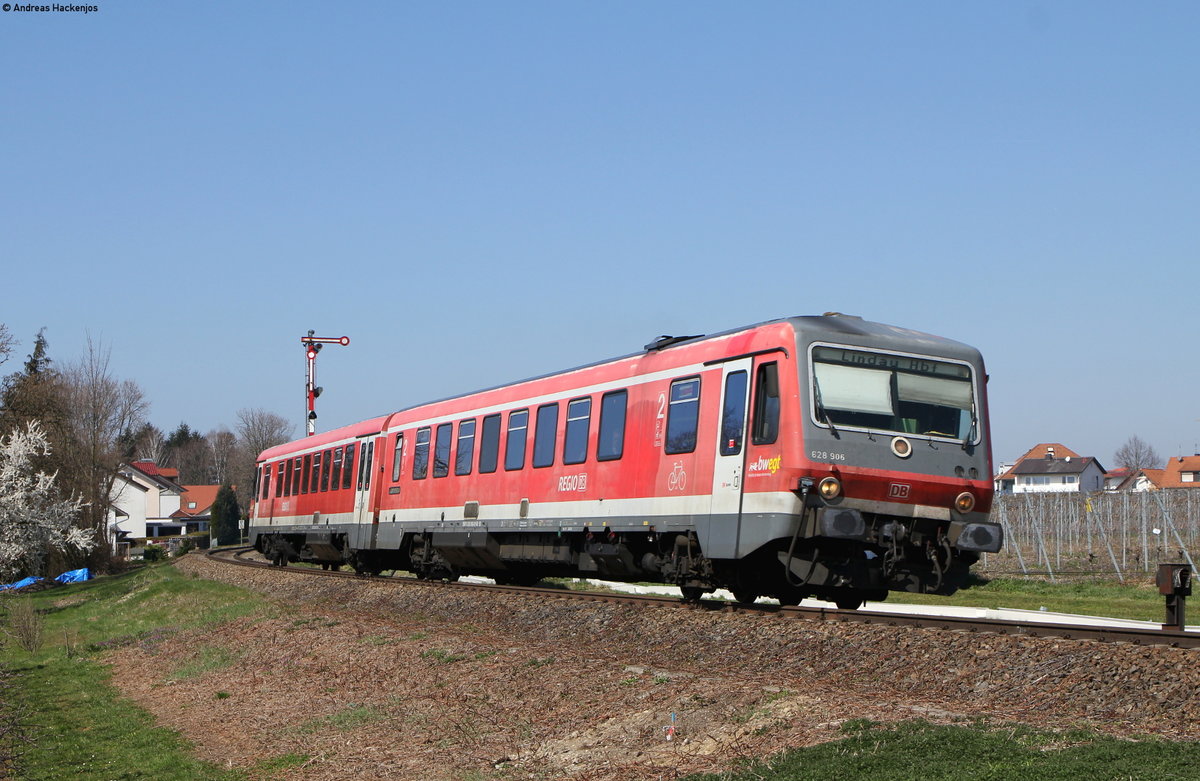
(312, 346)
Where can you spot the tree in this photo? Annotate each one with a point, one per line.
(258, 430)
(7, 342)
(224, 516)
(188, 451)
(33, 518)
(1137, 454)
(222, 453)
(37, 393)
(99, 408)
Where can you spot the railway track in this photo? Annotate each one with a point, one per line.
(1067, 631)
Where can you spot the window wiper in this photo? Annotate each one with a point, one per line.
(974, 425)
(822, 413)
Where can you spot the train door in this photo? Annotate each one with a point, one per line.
(362, 483)
(730, 456)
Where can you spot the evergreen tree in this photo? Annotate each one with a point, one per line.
(224, 517)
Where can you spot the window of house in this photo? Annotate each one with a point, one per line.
(397, 457)
(1187, 477)
(683, 415)
(611, 442)
(441, 450)
(466, 447)
(514, 444)
(421, 454)
(544, 436)
(489, 444)
(192, 505)
(579, 418)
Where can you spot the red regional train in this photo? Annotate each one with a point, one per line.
(823, 456)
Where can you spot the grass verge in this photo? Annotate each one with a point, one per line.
(920, 751)
(78, 724)
(1138, 602)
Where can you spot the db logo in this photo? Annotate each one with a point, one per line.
(899, 490)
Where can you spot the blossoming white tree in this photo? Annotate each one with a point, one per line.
(33, 519)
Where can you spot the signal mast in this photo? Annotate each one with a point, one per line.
(312, 346)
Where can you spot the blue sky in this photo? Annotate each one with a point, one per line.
(477, 192)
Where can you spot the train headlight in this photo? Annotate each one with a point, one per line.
(830, 488)
(964, 502)
(901, 447)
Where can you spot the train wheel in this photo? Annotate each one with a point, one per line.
(745, 597)
(691, 593)
(848, 603)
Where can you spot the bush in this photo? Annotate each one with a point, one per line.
(154, 553)
(25, 625)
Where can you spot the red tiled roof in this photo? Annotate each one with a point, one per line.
(1172, 473)
(202, 495)
(154, 470)
(1043, 451)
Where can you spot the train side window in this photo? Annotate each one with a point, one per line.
(297, 465)
(397, 457)
(544, 436)
(285, 477)
(421, 454)
(766, 404)
(611, 442)
(489, 444)
(441, 450)
(733, 415)
(579, 419)
(305, 472)
(279, 472)
(683, 415)
(514, 444)
(257, 481)
(326, 463)
(466, 447)
(348, 467)
(266, 482)
(315, 483)
(335, 480)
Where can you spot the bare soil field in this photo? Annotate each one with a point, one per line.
(366, 680)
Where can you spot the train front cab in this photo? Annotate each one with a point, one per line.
(886, 453)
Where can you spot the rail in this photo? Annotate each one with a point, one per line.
(1168, 636)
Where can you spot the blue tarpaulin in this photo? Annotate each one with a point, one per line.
(20, 584)
(74, 576)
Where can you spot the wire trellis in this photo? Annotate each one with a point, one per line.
(1117, 534)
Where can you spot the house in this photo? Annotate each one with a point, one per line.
(195, 507)
(143, 501)
(1007, 479)
(1181, 472)
(1140, 480)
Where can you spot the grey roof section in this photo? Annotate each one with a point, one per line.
(1053, 466)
